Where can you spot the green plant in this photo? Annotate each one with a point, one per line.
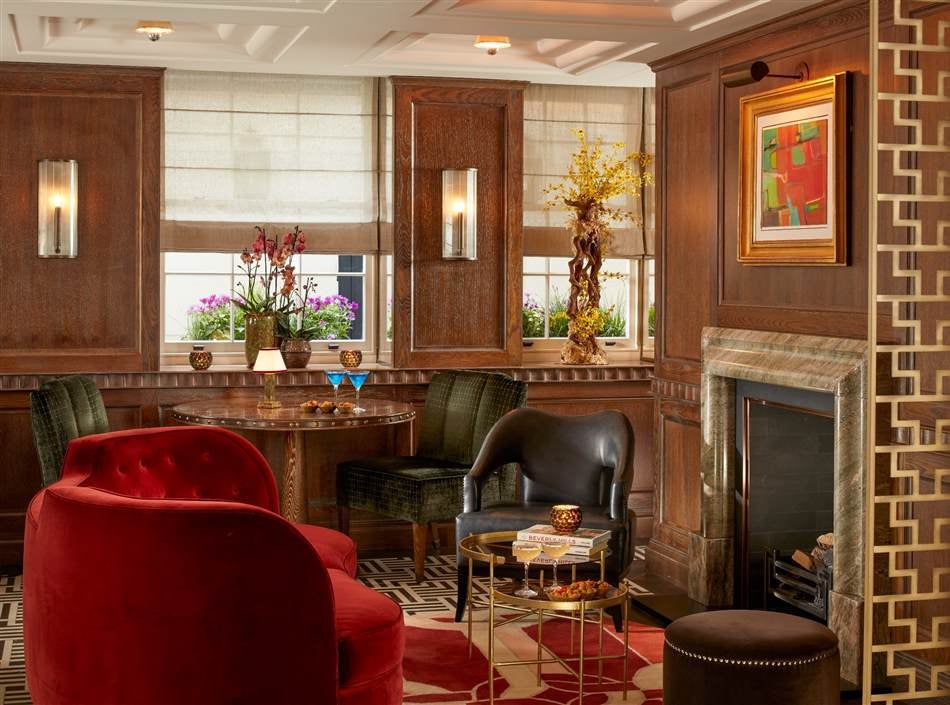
(651, 321)
(209, 319)
(532, 318)
(615, 323)
(330, 317)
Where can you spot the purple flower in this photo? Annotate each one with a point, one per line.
(531, 304)
(209, 303)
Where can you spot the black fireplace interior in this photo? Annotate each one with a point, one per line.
(784, 482)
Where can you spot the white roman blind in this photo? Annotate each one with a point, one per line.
(551, 113)
(260, 148)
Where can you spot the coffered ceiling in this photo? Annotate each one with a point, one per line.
(603, 42)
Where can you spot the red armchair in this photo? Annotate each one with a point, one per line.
(158, 571)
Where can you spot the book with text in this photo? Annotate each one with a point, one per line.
(545, 533)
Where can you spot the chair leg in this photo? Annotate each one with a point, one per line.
(343, 519)
(617, 613)
(420, 545)
(463, 596)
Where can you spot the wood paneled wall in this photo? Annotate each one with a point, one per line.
(457, 312)
(99, 311)
(700, 282)
(142, 403)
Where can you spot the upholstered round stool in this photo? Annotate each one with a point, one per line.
(745, 657)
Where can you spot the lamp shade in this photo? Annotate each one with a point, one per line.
(269, 360)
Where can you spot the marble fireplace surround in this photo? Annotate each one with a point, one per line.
(834, 365)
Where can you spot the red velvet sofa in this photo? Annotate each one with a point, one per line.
(157, 570)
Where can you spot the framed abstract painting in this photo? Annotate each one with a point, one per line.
(793, 174)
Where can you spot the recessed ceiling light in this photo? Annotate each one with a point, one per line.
(492, 43)
(154, 29)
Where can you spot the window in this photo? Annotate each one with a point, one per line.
(272, 150)
(616, 115)
(546, 289)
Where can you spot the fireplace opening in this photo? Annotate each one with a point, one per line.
(784, 486)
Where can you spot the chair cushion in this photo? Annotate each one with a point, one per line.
(415, 489)
(750, 635)
(336, 550)
(369, 631)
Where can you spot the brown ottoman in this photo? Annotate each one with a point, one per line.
(745, 657)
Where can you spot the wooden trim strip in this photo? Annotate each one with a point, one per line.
(216, 236)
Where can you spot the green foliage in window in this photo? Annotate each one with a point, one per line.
(532, 318)
(651, 321)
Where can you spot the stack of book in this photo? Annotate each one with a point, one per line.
(583, 541)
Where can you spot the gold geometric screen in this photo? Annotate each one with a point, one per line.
(907, 608)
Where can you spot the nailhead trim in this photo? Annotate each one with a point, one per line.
(765, 663)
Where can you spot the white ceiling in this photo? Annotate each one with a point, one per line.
(598, 42)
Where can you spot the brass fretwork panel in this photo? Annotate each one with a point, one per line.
(907, 620)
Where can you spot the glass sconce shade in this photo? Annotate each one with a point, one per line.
(459, 213)
(57, 200)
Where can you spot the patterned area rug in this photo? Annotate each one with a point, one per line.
(427, 606)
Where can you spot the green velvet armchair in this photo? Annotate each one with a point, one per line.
(461, 407)
(63, 409)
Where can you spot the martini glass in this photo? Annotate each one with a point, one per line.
(556, 551)
(336, 377)
(357, 378)
(525, 551)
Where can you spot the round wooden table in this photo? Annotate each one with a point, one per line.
(292, 421)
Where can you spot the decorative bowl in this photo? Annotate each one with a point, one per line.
(351, 359)
(566, 518)
(199, 358)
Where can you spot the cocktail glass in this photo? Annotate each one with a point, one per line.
(525, 551)
(336, 377)
(357, 378)
(556, 551)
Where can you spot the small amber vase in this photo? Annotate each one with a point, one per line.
(566, 518)
(260, 331)
(351, 359)
(199, 358)
(296, 352)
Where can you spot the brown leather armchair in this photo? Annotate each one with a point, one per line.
(584, 460)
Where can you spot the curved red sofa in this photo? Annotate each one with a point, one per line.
(158, 571)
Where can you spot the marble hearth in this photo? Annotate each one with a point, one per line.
(833, 365)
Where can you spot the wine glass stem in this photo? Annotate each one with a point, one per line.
(554, 574)
(526, 566)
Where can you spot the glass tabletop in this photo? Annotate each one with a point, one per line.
(496, 547)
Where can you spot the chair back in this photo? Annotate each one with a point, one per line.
(461, 408)
(63, 409)
(157, 601)
(175, 462)
(584, 460)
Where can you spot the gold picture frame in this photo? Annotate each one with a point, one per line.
(793, 174)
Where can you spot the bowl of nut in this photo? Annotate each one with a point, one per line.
(327, 407)
(581, 590)
(310, 406)
(346, 407)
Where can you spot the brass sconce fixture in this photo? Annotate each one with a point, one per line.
(756, 71)
(492, 43)
(459, 213)
(154, 29)
(57, 201)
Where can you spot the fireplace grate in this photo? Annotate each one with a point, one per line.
(804, 590)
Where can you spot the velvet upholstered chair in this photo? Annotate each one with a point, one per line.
(158, 571)
(460, 408)
(63, 409)
(583, 460)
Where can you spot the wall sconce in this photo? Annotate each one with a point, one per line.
(756, 71)
(57, 201)
(459, 213)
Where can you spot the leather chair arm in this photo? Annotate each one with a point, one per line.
(500, 448)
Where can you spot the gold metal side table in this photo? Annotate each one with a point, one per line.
(495, 549)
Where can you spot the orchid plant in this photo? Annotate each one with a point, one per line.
(268, 266)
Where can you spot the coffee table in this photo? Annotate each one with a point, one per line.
(494, 548)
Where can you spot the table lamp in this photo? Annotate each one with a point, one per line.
(270, 364)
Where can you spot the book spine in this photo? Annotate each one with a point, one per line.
(548, 538)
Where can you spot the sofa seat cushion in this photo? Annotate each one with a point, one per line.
(415, 489)
(335, 549)
(369, 631)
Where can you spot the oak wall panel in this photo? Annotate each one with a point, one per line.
(98, 311)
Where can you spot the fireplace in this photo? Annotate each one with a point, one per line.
(785, 482)
(780, 373)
